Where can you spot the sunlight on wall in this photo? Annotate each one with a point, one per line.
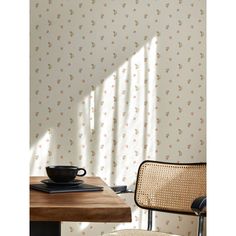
(84, 225)
(92, 107)
(40, 154)
(113, 104)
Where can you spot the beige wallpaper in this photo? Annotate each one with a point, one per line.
(114, 83)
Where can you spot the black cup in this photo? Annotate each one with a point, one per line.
(64, 173)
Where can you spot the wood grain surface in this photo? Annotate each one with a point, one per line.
(104, 206)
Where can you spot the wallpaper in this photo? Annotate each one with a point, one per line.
(114, 83)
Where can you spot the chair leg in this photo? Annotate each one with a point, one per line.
(149, 220)
(200, 225)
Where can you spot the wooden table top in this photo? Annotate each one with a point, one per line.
(104, 206)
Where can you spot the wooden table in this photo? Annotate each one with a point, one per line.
(48, 210)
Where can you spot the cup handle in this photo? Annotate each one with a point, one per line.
(83, 174)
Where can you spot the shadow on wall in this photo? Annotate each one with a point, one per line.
(74, 48)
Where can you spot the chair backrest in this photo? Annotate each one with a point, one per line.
(170, 187)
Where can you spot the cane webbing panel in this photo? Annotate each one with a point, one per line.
(170, 187)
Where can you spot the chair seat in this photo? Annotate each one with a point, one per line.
(137, 232)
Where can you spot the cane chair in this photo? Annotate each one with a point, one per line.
(169, 187)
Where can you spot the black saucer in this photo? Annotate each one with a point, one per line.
(49, 182)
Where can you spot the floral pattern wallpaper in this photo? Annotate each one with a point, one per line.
(114, 83)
